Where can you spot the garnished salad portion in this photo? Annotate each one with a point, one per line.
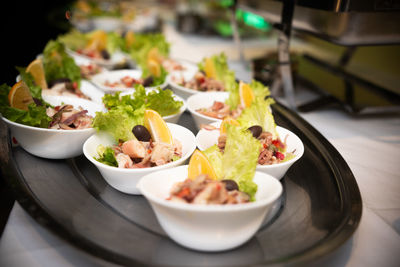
(221, 178)
(55, 72)
(159, 100)
(241, 96)
(23, 103)
(142, 138)
(259, 121)
(213, 75)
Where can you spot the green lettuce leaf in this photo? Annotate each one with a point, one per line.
(36, 115)
(119, 121)
(214, 155)
(259, 113)
(260, 92)
(74, 40)
(159, 100)
(58, 64)
(240, 158)
(222, 71)
(115, 42)
(106, 156)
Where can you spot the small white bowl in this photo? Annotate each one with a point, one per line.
(115, 76)
(173, 118)
(188, 73)
(204, 100)
(87, 89)
(116, 59)
(107, 24)
(207, 138)
(208, 227)
(125, 180)
(51, 143)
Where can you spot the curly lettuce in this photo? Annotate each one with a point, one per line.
(259, 113)
(119, 121)
(106, 156)
(58, 64)
(222, 71)
(239, 160)
(35, 115)
(159, 100)
(260, 92)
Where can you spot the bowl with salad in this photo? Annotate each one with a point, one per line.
(131, 143)
(211, 107)
(105, 49)
(279, 148)
(168, 105)
(126, 80)
(217, 202)
(212, 74)
(57, 74)
(49, 131)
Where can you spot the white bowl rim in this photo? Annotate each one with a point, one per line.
(123, 89)
(46, 129)
(271, 166)
(215, 208)
(175, 96)
(199, 114)
(192, 147)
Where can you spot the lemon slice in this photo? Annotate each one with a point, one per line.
(246, 94)
(157, 127)
(209, 68)
(227, 120)
(20, 96)
(97, 41)
(199, 164)
(154, 68)
(154, 54)
(35, 68)
(130, 39)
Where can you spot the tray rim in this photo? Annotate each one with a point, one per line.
(343, 176)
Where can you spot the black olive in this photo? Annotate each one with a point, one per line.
(255, 130)
(59, 80)
(141, 133)
(230, 185)
(105, 54)
(148, 81)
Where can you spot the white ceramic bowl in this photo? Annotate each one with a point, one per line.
(174, 118)
(204, 100)
(125, 180)
(207, 138)
(208, 227)
(107, 24)
(188, 73)
(116, 58)
(116, 75)
(51, 143)
(87, 89)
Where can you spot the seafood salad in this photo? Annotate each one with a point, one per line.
(66, 117)
(240, 97)
(22, 103)
(221, 178)
(213, 75)
(259, 121)
(203, 190)
(148, 143)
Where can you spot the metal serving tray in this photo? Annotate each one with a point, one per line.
(320, 208)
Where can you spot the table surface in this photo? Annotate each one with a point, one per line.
(370, 146)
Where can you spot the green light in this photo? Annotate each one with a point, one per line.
(253, 20)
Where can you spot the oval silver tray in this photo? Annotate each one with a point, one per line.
(320, 208)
